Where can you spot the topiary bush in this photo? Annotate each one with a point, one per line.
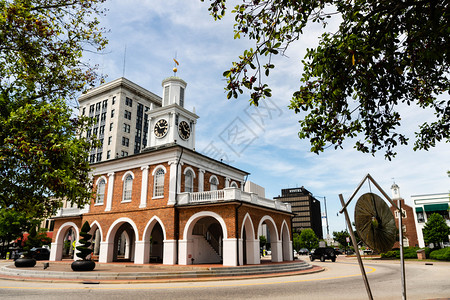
(84, 249)
(441, 254)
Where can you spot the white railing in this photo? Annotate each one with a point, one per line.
(72, 211)
(232, 194)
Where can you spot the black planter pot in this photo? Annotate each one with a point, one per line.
(83, 265)
(25, 262)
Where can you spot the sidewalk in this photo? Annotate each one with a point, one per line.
(61, 271)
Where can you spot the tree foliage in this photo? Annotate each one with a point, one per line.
(384, 55)
(41, 71)
(341, 238)
(435, 230)
(308, 239)
(13, 223)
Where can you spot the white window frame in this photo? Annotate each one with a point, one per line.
(158, 186)
(100, 197)
(216, 185)
(187, 171)
(127, 195)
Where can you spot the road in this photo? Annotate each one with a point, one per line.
(340, 280)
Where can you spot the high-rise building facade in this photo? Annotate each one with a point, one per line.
(118, 109)
(306, 209)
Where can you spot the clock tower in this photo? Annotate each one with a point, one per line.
(172, 123)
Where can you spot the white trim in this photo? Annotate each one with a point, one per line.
(189, 169)
(284, 223)
(200, 215)
(98, 179)
(126, 174)
(121, 220)
(234, 184)
(154, 220)
(266, 217)
(247, 216)
(159, 167)
(98, 227)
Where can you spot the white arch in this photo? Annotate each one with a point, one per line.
(157, 168)
(98, 227)
(189, 169)
(234, 184)
(101, 177)
(152, 223)
(214, 176)
(247, 216)
(195, 217)
(113, 228)
(269, 218)
(126, 174)
(284, 225)
(59, 237)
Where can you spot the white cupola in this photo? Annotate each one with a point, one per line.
(173, 91)
(395, 191)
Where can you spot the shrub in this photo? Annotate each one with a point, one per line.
(84, 249)
(409, 252)
(390, 254)
(441, 254)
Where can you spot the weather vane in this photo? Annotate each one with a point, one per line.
(175, 66)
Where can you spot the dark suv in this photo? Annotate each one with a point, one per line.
(322, 254)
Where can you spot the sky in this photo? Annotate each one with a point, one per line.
(144, 37)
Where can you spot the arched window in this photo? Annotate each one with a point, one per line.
(100, 191)
(234, 185)
(158, 190)
(213, 183)
(188, 181)
(127, 188)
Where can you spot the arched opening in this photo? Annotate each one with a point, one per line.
(156, 244)
(65, 242)
(96, 240)
(204, 241)
(249, 243)
(124, 241)
(267, 228)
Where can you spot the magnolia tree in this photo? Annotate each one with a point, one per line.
(384, 55)
(42, 158)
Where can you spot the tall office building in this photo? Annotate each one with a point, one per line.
(306, 209)
(121, 123)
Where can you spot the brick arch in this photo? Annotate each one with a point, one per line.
(194, 218)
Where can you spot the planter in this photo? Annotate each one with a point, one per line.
(25, 262)
(83, 265)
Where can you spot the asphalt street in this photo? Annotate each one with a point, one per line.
(340, 280)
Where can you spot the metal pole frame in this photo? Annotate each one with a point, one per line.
(400, 229)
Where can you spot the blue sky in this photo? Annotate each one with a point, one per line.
(154, 31)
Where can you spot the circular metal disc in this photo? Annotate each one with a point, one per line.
(375, 223)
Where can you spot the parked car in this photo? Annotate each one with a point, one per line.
(323, 254)
(303, 251)
(40, 253)
(338, 251)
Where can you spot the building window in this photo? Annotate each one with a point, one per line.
(113, 100)
(92, 158)
(125, 141)
(128, 102)
(108, 154)
(99, 156)
(91, 108)
(84, 111)
(105, 104)
(111, 126)
(213, 183)
(100, 191)
(109, 140)
(127, 115)
(138, 132)
(103, 118)
(127, 188)
(126, 128)
(420, 217)
(124, 153)
(97, 106)
(89, 133)
(102, 130)
(159, 183)
(95, 131)
(189, 182)
(97, 118)
(112, 113)
(234, 185)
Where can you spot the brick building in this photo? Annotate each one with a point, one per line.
(169, 203)
(409, 226)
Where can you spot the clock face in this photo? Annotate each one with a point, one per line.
(184, 130)
(161, 128)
